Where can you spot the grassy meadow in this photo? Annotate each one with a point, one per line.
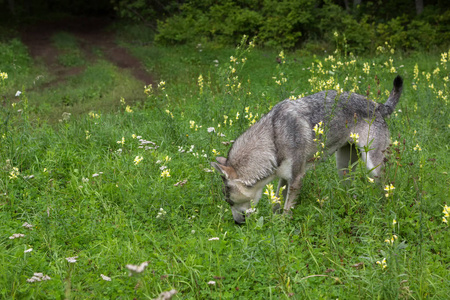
(99, 172)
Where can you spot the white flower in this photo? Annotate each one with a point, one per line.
(85, 180)
(212, 282)
(26, 225)
(161, 213)
(16, 236)
(95, 175)
(106, 278)
(211, 129)
(38, 277)
(72, 259)
(167, 295)
(250, 211)
(213, 239)
(134, 269)
(28, 250)
(18, 93)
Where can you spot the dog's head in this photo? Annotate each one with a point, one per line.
(237, 194)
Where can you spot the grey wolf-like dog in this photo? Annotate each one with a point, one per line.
(283, 144)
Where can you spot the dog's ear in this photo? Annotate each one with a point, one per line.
(221, 160)
(226, 171)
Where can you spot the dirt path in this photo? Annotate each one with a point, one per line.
(91, 34)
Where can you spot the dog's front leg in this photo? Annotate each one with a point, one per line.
(281, 183)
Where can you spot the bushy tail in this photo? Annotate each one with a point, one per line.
(387, 108)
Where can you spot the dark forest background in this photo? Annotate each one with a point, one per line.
(361, 25)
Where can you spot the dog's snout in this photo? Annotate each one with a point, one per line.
(240, 222)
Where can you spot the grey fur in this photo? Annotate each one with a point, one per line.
(281, 144)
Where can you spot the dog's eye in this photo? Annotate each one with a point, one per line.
(229, 201)
(226, 192)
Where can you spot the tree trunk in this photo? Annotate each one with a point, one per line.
(419, 6)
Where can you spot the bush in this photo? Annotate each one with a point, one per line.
(288, 24)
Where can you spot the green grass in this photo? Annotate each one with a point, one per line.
(325, 250)
(71, 55)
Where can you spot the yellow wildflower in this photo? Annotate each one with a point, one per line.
(270, 193)
(382, 263)
(138, 159)
(14, 173)
(389, 190)
(366, 68)
(148, 89)
(318, 128)
(355, 137)
(165, 173)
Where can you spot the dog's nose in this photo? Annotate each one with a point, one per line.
(240, 222)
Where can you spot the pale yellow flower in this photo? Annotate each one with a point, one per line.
(271, 194)
(382, 263)
(366, 68)
(148, 89)
(165, 173)
(138, 159)
(389, 190)
(355, 137)
(122, 141)
(14, 173)
(318, 128)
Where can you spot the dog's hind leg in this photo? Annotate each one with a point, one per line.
(293, 189)
(374, 157)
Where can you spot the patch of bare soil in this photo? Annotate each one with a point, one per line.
(92, 35)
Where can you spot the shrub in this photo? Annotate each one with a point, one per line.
(288, 24)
